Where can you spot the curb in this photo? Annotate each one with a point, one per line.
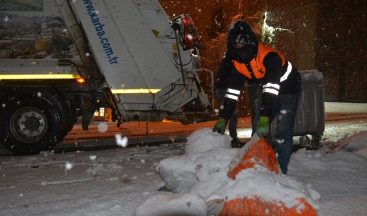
(110, 143)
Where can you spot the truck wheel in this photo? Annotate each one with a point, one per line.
(311, 142)
(66, 113)
(30, 125)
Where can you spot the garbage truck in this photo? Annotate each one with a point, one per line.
(132, 58)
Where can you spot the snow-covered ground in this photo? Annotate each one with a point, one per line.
(337, 107)
(118, 181)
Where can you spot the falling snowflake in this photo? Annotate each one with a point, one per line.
(3, 105)
(87, 54)
(102, 127)
(39, 94)
(92, 157)
(280, 141)
(6, 19)
(283, 112)
(68, 166)
(121, 141)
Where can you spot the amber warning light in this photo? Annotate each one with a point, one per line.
(80, 80)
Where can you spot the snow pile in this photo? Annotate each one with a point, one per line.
(260, 182)
(173, 205)
(206, 154)
(211, 153)
(178, 180)
(204, 140)
(203, 172)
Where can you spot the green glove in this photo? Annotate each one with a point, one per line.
(220, 126)
(262, 127)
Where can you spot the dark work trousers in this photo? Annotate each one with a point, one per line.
(255, 92)
(232, 125)
(232, 122)
(283, 122)
(286, 109)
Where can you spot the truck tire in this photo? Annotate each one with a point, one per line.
(72, 117)
(67, 114)
(30, 125)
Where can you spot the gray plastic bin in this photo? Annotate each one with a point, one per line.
(310, 118)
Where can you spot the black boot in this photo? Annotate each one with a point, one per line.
(235, 143)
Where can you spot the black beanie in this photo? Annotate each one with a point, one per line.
(241, 32)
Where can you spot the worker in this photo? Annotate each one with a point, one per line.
(250, 60)
(220, 90)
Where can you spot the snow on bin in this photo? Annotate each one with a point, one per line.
(257, 151)
(232, 181)
(257, 206)
(257, 201)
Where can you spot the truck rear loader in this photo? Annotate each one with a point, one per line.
(132, 58)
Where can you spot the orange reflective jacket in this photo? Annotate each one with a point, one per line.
(257, 63)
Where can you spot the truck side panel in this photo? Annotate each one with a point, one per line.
(127, 51)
